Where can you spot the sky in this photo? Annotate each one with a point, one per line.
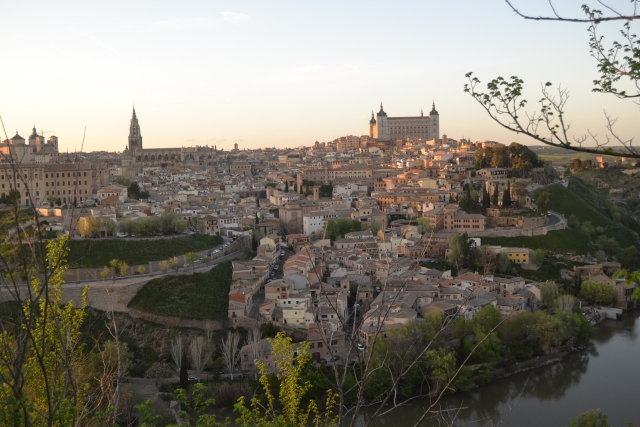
(281, 73)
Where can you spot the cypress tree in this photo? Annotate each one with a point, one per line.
(506, 197)
(485, 197)
(494, 196)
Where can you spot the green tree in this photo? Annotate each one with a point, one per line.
(47, 379)
(539, 256)
(191, 258)
(425, 224)
(486, 200)
(291, 411)
(593, 418)
(542, 199)
(549, 292)
(269, 330)
(174, 263)
(597, 292)
(506, 196)
(123, 268)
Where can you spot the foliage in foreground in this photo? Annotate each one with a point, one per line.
(288, 410)
(47, 377)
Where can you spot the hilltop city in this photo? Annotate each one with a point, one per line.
(376, 232)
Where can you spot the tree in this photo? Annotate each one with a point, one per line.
(549, 292)
(543, 200)
(425, 224)
(567, 303)
(594, 418)
(256, 349)
(506, 196)
(457, 247)
(597, 292)
(114, 266)
(463, 251)
(488, 259)
(89, 226)
(290, 362)
(231, 351)
(177, 349)
(619, 69)
(141, 269)
(106, 272)
(200, 351)
(374, 226)
(123, 267)
(286, 186)
(632, 277)
(198, 224)
(46, 377)
(494, 196)
(174, 263)
(503, 263)
(539, 256)
(269, 330)
(164, 266)
(254, 242)
(486, 200)
(191, 258)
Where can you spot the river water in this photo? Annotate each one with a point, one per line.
(606, 377)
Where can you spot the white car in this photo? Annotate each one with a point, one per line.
(361, 347)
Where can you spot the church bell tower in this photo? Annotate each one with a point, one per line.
(135, 137)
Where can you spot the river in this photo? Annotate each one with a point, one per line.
(605, 377)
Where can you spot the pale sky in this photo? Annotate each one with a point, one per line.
(280, 73)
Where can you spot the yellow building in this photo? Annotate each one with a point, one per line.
(519, 255)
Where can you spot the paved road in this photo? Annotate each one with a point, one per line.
(144, 277)
(554, 219)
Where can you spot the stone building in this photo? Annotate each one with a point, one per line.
(68, 182)
(386, 128)
(136, 155)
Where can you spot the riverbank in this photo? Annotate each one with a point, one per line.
(552, 392)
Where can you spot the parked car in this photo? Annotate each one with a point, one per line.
(194, 378)
(361, 347)
(336, 357)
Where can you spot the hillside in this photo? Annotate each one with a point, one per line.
(98, 252)
(197, 296)
(582, 205)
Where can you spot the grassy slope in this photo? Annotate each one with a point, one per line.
(586, 204)
(199, 295)
(98, 253)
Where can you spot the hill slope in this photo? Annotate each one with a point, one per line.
(582, 203)
(196, 296)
